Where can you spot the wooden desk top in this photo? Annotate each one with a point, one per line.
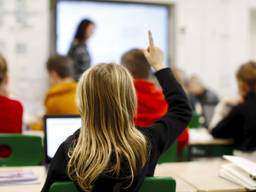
(203, 176)
(35, 133)
(38, 170)
(181, 185)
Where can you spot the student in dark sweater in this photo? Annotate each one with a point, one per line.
(108, 153)
(240, 123)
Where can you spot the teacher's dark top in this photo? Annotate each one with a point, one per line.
(160, 137)
(80, 55)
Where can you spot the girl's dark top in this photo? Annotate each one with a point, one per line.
(80, 55)
(240, 125)
(160, 137)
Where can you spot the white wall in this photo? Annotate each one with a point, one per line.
(213, 40)
(24, 40)
(253, 33)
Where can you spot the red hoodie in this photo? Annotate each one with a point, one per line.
(10, 119)
(152, 106)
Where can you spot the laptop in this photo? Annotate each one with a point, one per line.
(57, 128)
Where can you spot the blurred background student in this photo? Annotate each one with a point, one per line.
(60, 97)
(151, 101)
(239, 123)
(78, 50)
(203, 100)
(11, 111)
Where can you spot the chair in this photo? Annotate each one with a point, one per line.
(25, 150)
(195, 121)
(151, 184)
(64, 186)
(158, 184)
(209, 150)
(170, 155)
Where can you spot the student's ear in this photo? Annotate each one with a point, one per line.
(53, 77)
(243, 88)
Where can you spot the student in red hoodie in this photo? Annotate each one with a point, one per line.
(10, 110)
(151, 101)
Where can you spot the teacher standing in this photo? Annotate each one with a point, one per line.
(78, 50)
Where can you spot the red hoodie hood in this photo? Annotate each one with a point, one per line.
(152, 106)
(151, 103)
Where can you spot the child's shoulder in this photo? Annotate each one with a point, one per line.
(12, 103)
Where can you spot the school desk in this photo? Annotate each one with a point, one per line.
(181, 186)
(35, 133)
(202, 175)
(38, 170)
(202, 144)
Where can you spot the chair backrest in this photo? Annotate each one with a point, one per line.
(25, 150)
(151, 184)
(170, 155)
(195, 121)
(64, 186)
(158, 184)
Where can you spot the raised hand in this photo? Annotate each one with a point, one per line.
(154, 55)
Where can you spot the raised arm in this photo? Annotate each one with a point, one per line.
(166, 130)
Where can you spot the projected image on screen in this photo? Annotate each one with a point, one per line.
(119, 27)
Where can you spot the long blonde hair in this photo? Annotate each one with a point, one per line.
(107, 103)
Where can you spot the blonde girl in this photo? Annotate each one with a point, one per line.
(108, 153)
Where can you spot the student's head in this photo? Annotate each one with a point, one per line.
(246, 76)
(59, 68)
(195, 86)
(84, 30)
(107, 102)
(3, 71)
(136, 63)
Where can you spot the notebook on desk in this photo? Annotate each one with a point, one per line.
(56, 130)
(240, 171)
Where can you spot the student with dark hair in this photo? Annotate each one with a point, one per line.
(108, 153)
(151, 101)
(11, 111)
(78, 50)
(240, 122)
(60, 98)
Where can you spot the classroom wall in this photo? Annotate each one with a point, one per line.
(210, 38)
(24, 40)
(213, 39)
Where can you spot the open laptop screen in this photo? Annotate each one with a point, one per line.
(56, 130)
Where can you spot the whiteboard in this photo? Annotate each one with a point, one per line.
(24, 34)
(119, 27)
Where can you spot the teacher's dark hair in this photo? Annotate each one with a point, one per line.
(82, 27)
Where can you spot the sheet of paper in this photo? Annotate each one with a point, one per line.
(18, 177)
(199, 134)
(246, 165)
